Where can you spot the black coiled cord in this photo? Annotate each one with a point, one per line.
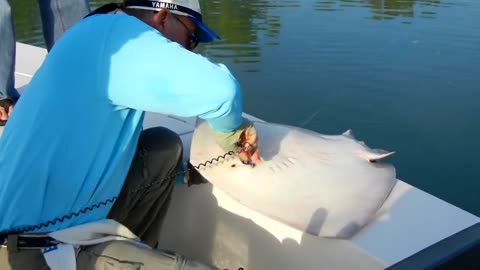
(112, 200)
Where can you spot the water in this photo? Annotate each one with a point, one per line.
(404, 75)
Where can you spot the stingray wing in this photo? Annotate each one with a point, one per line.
(315, 183)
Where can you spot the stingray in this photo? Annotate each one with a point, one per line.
(325, 185)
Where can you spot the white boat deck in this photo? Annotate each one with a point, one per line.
(206, 224)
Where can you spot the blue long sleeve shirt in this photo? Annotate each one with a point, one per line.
(71, 139)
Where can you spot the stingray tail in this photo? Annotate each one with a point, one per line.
(372, 155)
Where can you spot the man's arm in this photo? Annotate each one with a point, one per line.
(150, 73)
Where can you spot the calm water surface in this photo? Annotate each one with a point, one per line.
(404, 75)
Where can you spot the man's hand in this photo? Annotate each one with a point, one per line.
(244, 139)
(6, 108)
(249, 153)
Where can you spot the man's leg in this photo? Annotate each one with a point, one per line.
(59, 15)
(7, 51)
(127, 255)
(7, 60)
(145, 195)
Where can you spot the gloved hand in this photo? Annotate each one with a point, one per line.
(244, 139)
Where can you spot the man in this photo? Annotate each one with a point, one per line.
(75, 141)
(57, 16)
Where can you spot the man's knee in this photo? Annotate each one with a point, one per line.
(163, 139)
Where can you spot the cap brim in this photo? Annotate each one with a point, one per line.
(204, 33)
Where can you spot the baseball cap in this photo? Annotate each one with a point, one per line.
(190, 8)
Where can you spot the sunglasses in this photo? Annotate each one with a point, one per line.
(192, 37)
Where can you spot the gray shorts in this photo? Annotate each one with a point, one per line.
(105, 256)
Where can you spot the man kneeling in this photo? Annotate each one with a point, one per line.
(73, 153)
